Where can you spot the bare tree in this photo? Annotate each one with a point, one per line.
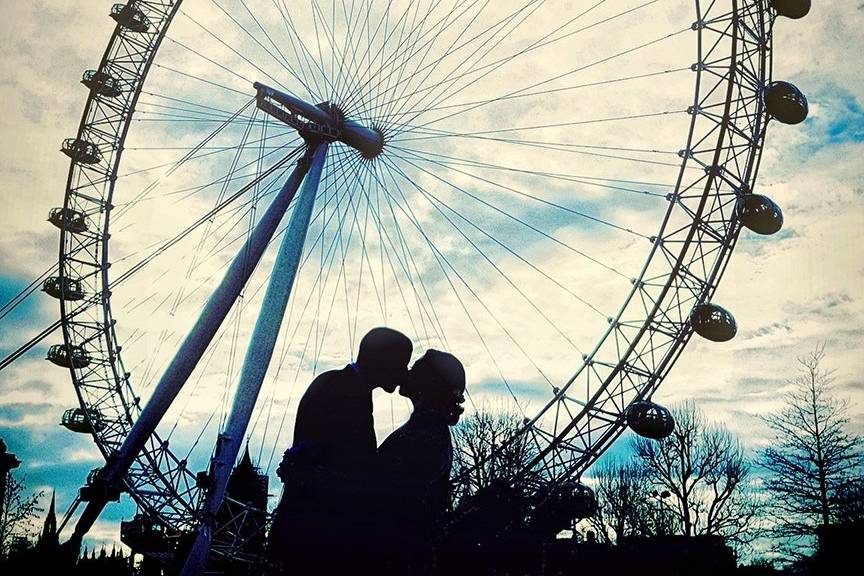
(624, 495)
(488, 449)
(705, 472)
(850, 502)
(19, 513)
(813, 462)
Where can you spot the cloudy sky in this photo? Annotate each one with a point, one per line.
(471, 198)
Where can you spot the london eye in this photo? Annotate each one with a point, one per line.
(551, 189)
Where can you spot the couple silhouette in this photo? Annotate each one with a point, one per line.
(348, 505)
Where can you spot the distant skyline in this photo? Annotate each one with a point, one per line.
(789, 292)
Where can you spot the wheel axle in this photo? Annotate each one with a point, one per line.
(325, 121)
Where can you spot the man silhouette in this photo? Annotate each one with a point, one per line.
(319, 526)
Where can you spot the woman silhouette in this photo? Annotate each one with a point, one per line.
(415, 461)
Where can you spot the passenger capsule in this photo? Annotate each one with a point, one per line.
(649, 420)
(101, 83)
(130, 17)
(93, 476)
(558, 506)
(713, 322)
(145, 535)
(72, 220)
(581, 500)
(786, 103)
(96, 489)
(91, 489)
(759, 213)
(57, 354)
(81, 151)
(793, 9)
(77, 420)
(72, 288)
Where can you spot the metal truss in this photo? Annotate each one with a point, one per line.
(688, 256)
(159, 481)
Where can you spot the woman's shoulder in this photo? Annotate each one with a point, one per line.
(416, 444)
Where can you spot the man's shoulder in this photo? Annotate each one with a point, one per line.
(332, 382)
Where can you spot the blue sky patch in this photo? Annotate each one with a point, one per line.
(840, 119)
(846, 119)
(26, 315)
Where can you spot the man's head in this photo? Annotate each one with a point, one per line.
(383, 357)
(437, 384)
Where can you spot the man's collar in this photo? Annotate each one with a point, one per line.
(356, 368)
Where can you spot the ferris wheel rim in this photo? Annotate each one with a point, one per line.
(110, 339)
(716, 270)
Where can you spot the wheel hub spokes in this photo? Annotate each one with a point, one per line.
(325, 121)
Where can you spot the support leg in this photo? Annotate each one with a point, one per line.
(256, 361)
(190, 352)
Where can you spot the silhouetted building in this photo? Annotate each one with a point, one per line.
(527, 554)
(244, 517)
(45, 555)
(49, 541)
(104, 564)
(248, 485)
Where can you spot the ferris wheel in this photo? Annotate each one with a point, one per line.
(551, 190)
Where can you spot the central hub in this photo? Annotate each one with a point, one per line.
(324, 121)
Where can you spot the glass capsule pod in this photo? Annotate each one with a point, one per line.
(557, 507)
(95, 489)
(101, 83)
(759, 213)
(786, 103)
(130, 17)
(92, 476)
(72, 220)
(793, 9)
(81, 151)
(713, 322)
(144, 535)
(72, 289)
(79, 358)
(492, 509)
(650, 420)
(578, 500)
(77, 420)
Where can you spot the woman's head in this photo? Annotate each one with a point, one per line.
(436, 384)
